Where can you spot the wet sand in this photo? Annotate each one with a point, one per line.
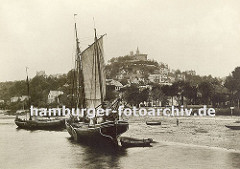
(201, 131)
(197, 142)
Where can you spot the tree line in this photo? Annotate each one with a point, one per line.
(192, 91)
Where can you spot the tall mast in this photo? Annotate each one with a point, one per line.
(98, 64)
(28, 93)
(80, 88)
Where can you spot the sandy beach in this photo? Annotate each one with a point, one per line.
(198, 131)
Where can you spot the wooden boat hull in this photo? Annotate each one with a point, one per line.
(41, 125)
(153, 123)
(233, 127)
(107, 132)
(127, 142)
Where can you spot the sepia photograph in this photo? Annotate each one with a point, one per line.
(127, 84)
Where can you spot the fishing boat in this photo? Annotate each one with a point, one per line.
(89, 90)
(49, 124)
(38, 124)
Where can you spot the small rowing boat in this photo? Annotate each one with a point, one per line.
(233, 127)
(153, 123)
(133, 142)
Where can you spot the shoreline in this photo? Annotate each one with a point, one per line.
(196, 131)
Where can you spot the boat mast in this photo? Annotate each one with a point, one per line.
(28, 93)
(80, 86)
(73, 84)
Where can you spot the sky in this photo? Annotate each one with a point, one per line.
(200, 35)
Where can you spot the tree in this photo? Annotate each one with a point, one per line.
(233, 84)
(170, 91)
(134, 96)
(111, 94)
(236, 78)
(158, 94)
(143, 96)
(206, 90)
(131, 94)
(190, 92)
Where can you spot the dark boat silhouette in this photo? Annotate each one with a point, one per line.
(233, 127)
(52, 124)
(127, 142)
(153, 123)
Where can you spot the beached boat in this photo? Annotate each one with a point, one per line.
(153, 123)
(132, 142)
(233, 127)
(34, 124)
(89, 90)
(50, 124)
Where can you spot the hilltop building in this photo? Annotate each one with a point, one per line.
(41, 73)
(58, 75)
(138, 56)
(191, 72)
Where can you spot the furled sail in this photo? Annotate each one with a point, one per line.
(94, 74)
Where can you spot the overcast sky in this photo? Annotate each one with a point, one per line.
(203, 35)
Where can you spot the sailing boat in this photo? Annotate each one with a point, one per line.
(43, 124)
(89, 90)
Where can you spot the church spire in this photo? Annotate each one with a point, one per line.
(137, 51)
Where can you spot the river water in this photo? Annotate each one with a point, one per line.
(25, 149)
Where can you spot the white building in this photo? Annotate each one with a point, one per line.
(40, 73)
(22, 98)
(117, 85)
(158, 78)
(14, 99)
(54, 96)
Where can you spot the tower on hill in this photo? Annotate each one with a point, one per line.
(138, 55)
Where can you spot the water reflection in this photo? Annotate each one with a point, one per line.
(95, 156)
(234, 159)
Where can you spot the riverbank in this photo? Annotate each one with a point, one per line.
(201, 131)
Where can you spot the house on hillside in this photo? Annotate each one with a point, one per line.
(160, 79)
(53, 96)
(24, 97)
(14, 99)
(21, 98)
(116, 84)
